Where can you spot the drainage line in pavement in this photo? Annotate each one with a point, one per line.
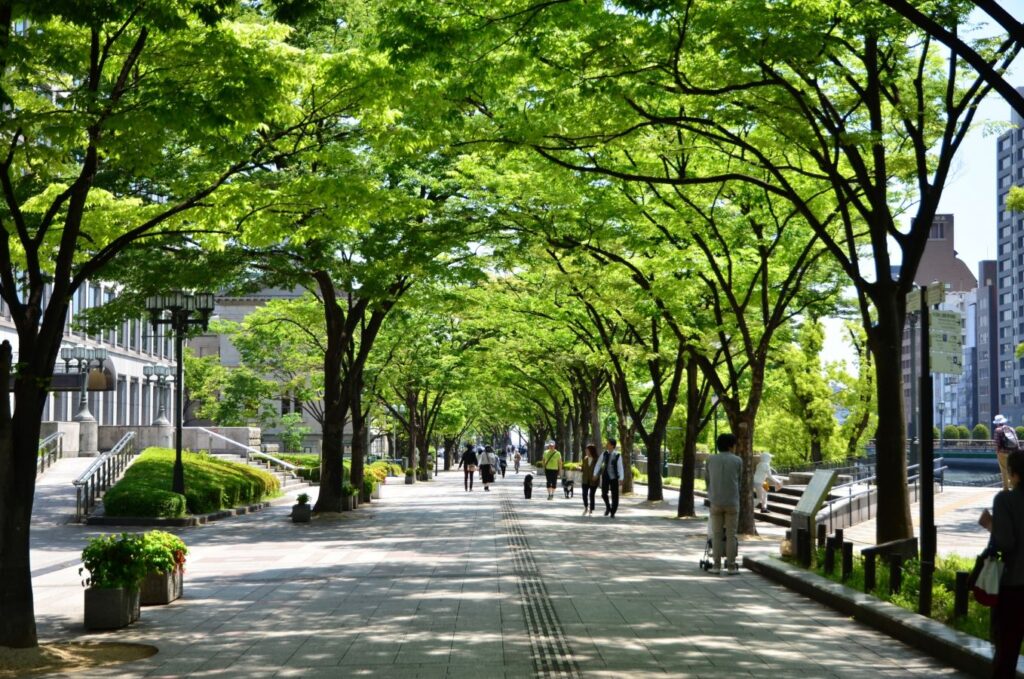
(551, 654)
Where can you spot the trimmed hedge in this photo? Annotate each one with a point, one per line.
(211, 484)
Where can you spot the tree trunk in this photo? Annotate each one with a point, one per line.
(450, 446)
(886, 340)
(19, 442)
(329, 499)
(694, 408)
(410, 404)
(626, 436)
(815, 449)
(654, 441)
(359, 434)
(743, 427)
(594, 409)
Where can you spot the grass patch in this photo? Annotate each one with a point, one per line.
(211, 484)
(975, 623)
(669, 481)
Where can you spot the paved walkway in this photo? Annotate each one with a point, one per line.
(432, 581)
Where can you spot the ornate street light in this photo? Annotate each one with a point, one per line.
(161, 374)
(180, 310)
(86, 359)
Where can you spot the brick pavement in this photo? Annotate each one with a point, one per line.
(435, 582)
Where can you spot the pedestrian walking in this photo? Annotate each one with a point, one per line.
(468, 463)
(723, 482)
(763, 479)
(1006, 522)
(608, 468)
(488, 463)
(503, 462)
(1005, 438)
(516, 459)
(551, 463)
(590, 478)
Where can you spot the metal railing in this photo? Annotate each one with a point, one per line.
(913, 477)
(250, 451)
(51, 449)
(102, 474)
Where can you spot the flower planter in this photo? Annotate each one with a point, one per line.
(158, 589)
(348, 502)
(375, 495)
(410, 479)
(302, 513)
(110, 608)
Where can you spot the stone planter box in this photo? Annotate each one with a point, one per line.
(110, 608)
(302, 513)
(375, 495)
(348, 502)
(410, 479)
(159, 589)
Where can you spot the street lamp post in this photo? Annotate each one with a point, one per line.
(179, 310)
(161, 374)
(942, 429)
(86, 359)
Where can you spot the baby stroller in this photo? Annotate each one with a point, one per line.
(708, 561)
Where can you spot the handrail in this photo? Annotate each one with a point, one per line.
(250, 450)
(51, 449)
(940, 469)
(102, 474)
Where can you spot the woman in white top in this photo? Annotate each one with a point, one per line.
(488, 461)
(762, 474)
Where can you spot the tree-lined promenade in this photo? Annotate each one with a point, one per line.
(576, 219)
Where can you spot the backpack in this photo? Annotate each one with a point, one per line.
(1008, 438)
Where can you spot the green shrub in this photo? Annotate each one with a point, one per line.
(963, 433)
(950, 431)
(1020, 433)
(163, 552)
(348, 489)
(980, 433)
(210, 484)
(571, 466)
(368, 484)
(307, 460)
(114, 561)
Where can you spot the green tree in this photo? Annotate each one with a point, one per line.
(121, 122)
(810, 393)
(980, 432)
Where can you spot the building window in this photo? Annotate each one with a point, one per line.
(938, 232)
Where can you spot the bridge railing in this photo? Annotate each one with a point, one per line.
(102, 474)
(51, 449)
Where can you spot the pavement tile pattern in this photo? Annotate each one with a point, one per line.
(433, 581)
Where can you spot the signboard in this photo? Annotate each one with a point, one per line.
(945, 342)
(816, 492)
(936, 295)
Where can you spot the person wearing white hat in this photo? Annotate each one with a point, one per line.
(1005, 438)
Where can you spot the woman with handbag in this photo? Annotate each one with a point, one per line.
(1007, 525)
(488, 462)
(591, 479)
(468, 463)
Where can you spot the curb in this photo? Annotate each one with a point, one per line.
(182, 522)
(960, 650)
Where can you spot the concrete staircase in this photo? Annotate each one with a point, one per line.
(780, 505)
(288, 480)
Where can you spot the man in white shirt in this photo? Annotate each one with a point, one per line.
(609, 469)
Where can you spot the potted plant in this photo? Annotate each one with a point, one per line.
(348, 495)
(116, 565)
(302, 511)
(410, 475)
(164, 554)
(367, 490)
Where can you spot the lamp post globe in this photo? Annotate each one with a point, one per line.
(180, 310)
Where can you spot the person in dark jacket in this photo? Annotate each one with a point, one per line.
(591, 479)
(1007, 525)
(468, 463)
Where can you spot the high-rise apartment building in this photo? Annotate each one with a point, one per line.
(1010, 273)
(986, 341)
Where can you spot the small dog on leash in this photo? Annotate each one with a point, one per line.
(528, 486)
(568, 487)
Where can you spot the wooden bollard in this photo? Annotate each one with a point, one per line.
(839, 536)
(822, 534)
(830, 555)
(847, 559)
(803, 545)
(960, 594)
(869, 573)
(895, 573)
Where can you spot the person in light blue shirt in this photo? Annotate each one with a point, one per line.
(723, 479)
